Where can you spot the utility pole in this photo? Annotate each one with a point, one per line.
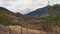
(48, 3)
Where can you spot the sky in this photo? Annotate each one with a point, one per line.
(26, 6)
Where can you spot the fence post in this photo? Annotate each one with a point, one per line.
(21, 30)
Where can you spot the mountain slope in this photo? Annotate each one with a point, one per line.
(47, 23)
(4, 10)
(7, 17)
(38, 13)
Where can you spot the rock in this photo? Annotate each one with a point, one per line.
(3, 29)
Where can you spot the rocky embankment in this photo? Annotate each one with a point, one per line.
(21, 30)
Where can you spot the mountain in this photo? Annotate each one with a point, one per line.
(8, 17)
(4, 10)
(38, 12)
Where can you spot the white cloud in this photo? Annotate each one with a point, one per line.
(19, 5)
(54, 2)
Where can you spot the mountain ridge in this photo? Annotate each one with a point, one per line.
(2, 9)
(38, 12)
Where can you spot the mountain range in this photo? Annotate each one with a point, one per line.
(34, 14)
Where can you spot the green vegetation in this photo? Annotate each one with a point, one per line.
(55, 14)
(5, 22)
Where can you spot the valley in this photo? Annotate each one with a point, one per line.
(44, 20)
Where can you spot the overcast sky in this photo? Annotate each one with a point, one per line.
(26, 6)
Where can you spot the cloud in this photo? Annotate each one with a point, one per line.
(22, 6)
(54, 2)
